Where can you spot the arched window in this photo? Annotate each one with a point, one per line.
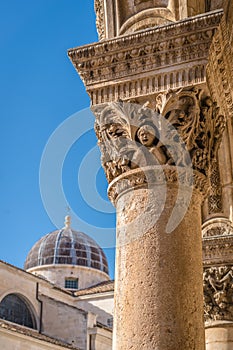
(13, 308)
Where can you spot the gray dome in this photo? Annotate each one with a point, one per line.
(67, 246)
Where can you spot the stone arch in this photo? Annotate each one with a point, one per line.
(16, 308)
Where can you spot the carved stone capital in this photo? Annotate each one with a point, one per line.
(184, 131)
(218, 293)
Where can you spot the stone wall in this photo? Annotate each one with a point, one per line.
(12, 337)
(58, 273)
(58, 306)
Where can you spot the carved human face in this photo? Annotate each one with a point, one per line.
(146, 136)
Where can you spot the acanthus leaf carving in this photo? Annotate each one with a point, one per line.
(185, 129)
(128, 139)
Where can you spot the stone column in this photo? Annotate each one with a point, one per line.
(218, 230)
(158, 300)
(157, 167)
(159, 288)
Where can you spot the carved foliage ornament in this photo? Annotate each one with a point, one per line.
(100, 24)
(133, 136)
(215, 194)
(218, 293)
(219, 72)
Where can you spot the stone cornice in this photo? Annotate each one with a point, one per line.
(218, 250)
(163, 54)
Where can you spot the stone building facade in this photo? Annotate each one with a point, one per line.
(160, 81)
(63, 299)
(161, 88)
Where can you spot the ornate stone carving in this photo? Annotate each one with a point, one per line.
(217, 227)
(219, 73)
(198, 122)
(128, 139)
(164, 176)
(218, 293)
(154, 55)
(215, 193)
(100, 22)
(217, 235)
(105, 67)
(133, 136)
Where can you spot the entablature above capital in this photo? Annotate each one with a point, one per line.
(147, 62)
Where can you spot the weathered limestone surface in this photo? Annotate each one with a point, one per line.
(219, 336)
(158, 274)
(138, 67)
(220, 80)
(218, 228)
(59, 308)
(58, 274)
(116, 17)
(158, 300)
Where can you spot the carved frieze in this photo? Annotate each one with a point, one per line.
(217, 227)
(218, 293)
(137, 64)
(217, 235)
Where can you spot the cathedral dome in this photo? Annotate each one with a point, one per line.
(67, 246)
(66, 249)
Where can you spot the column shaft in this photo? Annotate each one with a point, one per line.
(159, 293)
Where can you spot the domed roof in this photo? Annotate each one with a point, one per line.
(67, 246)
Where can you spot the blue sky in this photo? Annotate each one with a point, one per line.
(41, 99)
